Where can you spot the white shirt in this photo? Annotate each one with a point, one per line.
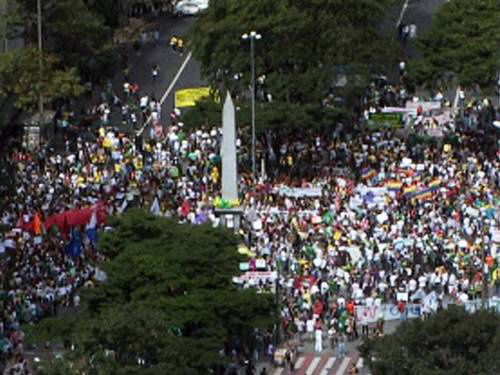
(412, 285)
(310, 325)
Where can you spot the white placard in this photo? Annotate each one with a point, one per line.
(257, 224)
(382, 218)
(260, 263)
(299, 192)
(472, 211)
(495, 236)
(402, 296)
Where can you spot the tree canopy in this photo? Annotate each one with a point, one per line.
(450, 342)
(70, 30)
(280, 118)
(21, 77)
(462, 45)
(305, 47)
(169, 299)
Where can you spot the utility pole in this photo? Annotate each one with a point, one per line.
(484, 291)
(3, 21)
(253, 36)
(40, 50)
(278, 300)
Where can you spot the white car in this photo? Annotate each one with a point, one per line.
(190, 7)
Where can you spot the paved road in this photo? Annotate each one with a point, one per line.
(169, 62)
(311, 364)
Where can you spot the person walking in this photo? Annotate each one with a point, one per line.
(364, 322)
(332, 336)
(155, 72)
(173, 42)
(318, 339)
(180, 46)
(156, 36)
(342, 347)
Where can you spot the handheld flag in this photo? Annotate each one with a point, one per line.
(91, 230)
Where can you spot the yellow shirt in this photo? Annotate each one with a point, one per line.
(215, 174)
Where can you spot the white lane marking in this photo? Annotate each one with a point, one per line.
(360, 363)
(313, 365)
(457, 99)
(299, 362)
(167, 93)
(328, 366)
(278, 371)
(402, 14)
(343, 366)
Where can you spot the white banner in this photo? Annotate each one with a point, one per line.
(426, 106)
(257, 276)
(391, 312)
(299, 192)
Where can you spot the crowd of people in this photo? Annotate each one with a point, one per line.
(175, 174)
(341, 222)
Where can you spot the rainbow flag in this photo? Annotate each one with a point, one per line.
(409, 190)
(367, 173)
(423, 195)
(434, 184)
(394, 185)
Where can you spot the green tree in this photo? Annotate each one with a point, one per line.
(110, 10)
(71, 31)
(306, 45)
(169, 299)
(20, 77)
(450, 342)
(461, 46)
(280, 118)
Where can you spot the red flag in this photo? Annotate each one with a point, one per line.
(37, 224)
(185, 208)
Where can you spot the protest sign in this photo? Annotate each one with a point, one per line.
(385, 121)
(299, 192)
(189, 97)
(258, 275)
(425, 105)
(390, 312)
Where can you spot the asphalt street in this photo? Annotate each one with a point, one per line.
(169, 62)
(418, 12)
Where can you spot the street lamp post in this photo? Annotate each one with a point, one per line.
(484, 289)
(253, 35)
(40, 96)
(498, 88)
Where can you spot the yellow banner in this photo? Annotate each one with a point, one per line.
(189, 97)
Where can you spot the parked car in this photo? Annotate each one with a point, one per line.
(190, 7)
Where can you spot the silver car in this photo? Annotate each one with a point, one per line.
(190, 7)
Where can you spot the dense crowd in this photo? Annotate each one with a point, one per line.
(342, 220)
(394, 225)
(176, 174)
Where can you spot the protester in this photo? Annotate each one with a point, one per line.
(342, 222)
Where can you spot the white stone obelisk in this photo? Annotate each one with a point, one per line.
(228, 151)
(230, 217)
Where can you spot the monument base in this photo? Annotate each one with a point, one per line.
(230, 217)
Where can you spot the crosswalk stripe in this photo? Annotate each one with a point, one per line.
(278, 371)
(343, 366)
(328, 366)
(360, 363)
(313, 366)
(300, 362)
